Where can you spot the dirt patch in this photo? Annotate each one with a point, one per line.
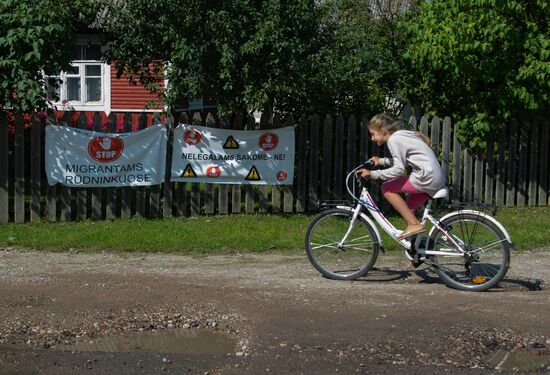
(282, 315)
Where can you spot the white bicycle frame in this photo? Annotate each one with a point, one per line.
(365, 200)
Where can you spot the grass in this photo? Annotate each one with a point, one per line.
(528, 226)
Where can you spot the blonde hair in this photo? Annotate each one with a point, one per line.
(391, 125)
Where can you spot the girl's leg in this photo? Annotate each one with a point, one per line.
(391, 190)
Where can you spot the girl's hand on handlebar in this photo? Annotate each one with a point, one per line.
(365, 173)
(376, 160)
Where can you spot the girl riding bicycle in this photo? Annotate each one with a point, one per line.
(408, 149)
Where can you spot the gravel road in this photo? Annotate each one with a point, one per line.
(260, 314)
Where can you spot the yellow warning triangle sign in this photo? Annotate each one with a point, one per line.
(231, 143)
(253, 175)
(188, 172)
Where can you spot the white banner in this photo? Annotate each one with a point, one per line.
(224, 156)
(82, 158)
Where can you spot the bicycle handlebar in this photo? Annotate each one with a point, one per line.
(369, 164)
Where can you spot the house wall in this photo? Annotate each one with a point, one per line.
(127, 97)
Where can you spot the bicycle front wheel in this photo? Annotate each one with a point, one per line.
(336, 260)
(487, 252)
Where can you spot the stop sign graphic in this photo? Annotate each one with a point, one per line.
(104, 149)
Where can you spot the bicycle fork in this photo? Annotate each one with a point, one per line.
(352, 221)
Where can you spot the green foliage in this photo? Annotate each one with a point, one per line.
(283, 56)
(35, 38)
(484, 62)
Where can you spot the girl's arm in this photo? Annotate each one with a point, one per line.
(396, 164)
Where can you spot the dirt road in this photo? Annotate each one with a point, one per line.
(60, 313)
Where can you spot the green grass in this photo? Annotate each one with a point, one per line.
(529, 228)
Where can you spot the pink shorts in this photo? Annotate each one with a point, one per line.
(415, 197)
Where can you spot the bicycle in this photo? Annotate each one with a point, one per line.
(467, 248)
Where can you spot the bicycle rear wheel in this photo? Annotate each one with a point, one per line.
(487, 254)
(347, 261)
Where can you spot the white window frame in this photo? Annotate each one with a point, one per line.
(104, 104)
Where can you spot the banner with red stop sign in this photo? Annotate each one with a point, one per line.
(83, 158)
(225, 156)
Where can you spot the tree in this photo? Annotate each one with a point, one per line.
(485, 62)
(285, 56)
(35, 39)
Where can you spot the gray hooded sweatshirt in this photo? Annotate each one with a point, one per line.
(408, 149)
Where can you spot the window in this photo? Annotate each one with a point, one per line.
(84, 85)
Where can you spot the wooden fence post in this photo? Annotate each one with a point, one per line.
(98, 202)
(489, 174)
(168, 198)
(300, 176)
(141, 191)
(543, 169)
(81, 193)
(446, 150)
(511, 181)
(249, 198)
(223, 192)
(501, 168)
(36, 169)
(288, 190)
(19, 170)
(313, 188)
(457, 159)
(111, 208)
(478, 177)
(4, 175)
(533, 165)
(276, 189)
(209, 203)
(236, 188)
(181, 192)
(522, 176)
(64, 193)
(326, 153)
(127, 192)
(337, 177)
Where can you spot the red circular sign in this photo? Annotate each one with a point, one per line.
(282, 175)
(192, 137)
(213, 171)
(268, 141)
(104, 149)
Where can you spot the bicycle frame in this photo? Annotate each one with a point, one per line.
(365, 200)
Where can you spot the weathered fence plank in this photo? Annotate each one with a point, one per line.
(511, 181)
(468, 171)
(326, 191)
(478, 177)
(489, 174)
(81, 193)
(300, 176)
(168, 197)
(338, 158)
(533, 187)
(543, 170)
(209, 206)
(127, 193)
(65, 200)
(249, 194)
(236, 188)
(4, 175)
(97, 209)
(446, 148)
(313, 188)
(276, 189)
(36, 169)
(522, 175)
(154, 191)
(182, 206)
(19, 171)
(111, 193)
(500, 191)
(141, 192)
(457, 159)
(434, 135)
(223, 191)
(195, 186)
(288, 190)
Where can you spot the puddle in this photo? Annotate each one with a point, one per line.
(533, 360)
(188, 341)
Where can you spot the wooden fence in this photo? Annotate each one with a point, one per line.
(514, 172)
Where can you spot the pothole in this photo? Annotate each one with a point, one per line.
(533, 360)
(167, 341)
